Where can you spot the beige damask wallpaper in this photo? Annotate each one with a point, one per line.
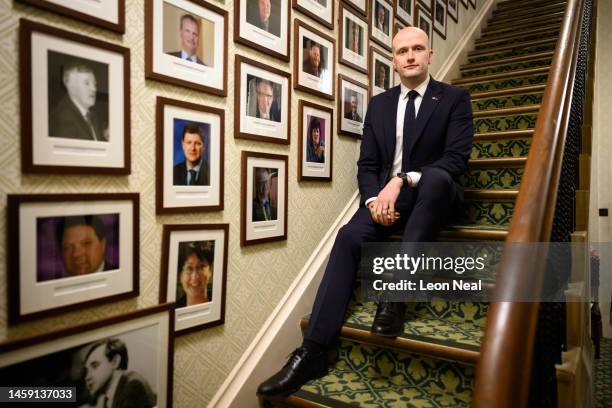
(258, 275)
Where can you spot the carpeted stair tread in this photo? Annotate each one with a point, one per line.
(489, 213)
(510, 91)
(500, 13)
(506, 68)
(506, 101)
(497, 148)
(507, 18)
(512, 47)
(518, 40)
(494, 55)
(507, 61)
(523, 22)
(505, 83)
(519, 4)
(514, 33)
(501, 75)
(506, 111)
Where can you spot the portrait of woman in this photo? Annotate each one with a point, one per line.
(194, 284)
(315, 151)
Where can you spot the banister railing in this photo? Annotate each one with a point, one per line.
(504, 368)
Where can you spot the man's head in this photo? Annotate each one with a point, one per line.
(193, 144)
(380, 13)
(264, 10)
(411, 56)
(265, 96)
(189, 34)
(354, 103)
(102, 360)
(263, 179)
(81, 85)
(315, 55)
(83, 241)
(195, 274)
(382, 74)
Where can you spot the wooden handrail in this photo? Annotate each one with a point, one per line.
(503, 372)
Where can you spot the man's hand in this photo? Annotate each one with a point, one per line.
(383, 208)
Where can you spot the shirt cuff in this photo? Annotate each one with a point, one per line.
(415, 176)
(369, 200)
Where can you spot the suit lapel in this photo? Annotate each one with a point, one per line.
(390, 122)
(433, 95)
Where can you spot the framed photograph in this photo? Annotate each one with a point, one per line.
(316, 142)
(108, 14)
(314, 65)
(263, 214)
(75, 103)
(425, 23)
(404, 11)
(473, 3)
(398, 26)
(68, 251)
(353, 39)
(190, 157)
(321, 11)
(381, 23)
(123, 360)
(439, 20)
(453, 10)
(427, 4)
(263, 94)
(359, 5)
(194, 274)
(186, 44)
(465, 3)
(263, 25)
(381, 72)
(352, 106)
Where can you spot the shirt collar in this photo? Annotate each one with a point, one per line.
(421, 88)
(112, 387)
(196, 167)
(191, 58)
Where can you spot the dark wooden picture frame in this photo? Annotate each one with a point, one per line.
(304, 10)
(365, 41)
(453, 12)
(363, 11)
(150, 72)
(238, 38)
(239, 120)
(17, 277)
(39, 144)
(92, 332)
(211, 168)
(472, 3)
(298, 62)
(328, 160)
(247, 186)
(399, 13)
(118, 27)
(164, 276)
(387, 43)
(341, 103)
(426, 4)
(372, 76)
(440, 8)
(422, 13)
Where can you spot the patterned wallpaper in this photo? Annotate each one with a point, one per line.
(258, 275)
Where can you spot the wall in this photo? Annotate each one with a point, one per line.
(258, 276)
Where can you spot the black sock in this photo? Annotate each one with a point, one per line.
(313, 346)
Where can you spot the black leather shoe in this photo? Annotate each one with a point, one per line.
(303, 365)
(389, 319)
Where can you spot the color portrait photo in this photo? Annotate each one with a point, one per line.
(265, 194)
(315, 143)
(191, 154)
(263, 98)
(353, 105)
(265, 15)
(188, 36)
(196, 260)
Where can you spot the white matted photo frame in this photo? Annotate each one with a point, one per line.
(453, 10)
(381, 23)
(353, 39)
(189, 157)
(137, 348)
(321, 11)
(424, 22)
(381, 72)
(359, 5)
(427, 4)
(314, 67)
(352, 106)
(404, 11)
(75, 103)
(440, 18)
(263, 25)
(68, 251)
(316, 142)
(264, 193)
(108, 14)
(186, 44)
(194, 274)
(263, 96)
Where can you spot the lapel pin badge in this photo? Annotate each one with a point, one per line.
(435, 98)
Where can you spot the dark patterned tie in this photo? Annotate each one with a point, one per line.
(192, 177)
(409, 127)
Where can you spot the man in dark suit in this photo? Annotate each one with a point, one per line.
(194, 171)
(261, 15)
(263, 208)
(190, 36)
(416, 142)
(75, 116)
(108, 381)
(266, 106)
(312, 64)
(352, 114)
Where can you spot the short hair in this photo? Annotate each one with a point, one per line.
(202, 250)
(188, 17)
(261, 81)
(92, 221)
(314, 44)
(192, 128)
(112, 347)
(75, 66)
(314, 123)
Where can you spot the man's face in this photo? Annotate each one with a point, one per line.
(263, 185)
(381, 15)
(354, 32)
(354, 104)
(98, 371)
(381, 75)
(83, 252)
(194, 276)
(265, 96)
(411, 56)
(189, 36)
(193, 148)
(315, 57)
(264, 9)
(81, 87)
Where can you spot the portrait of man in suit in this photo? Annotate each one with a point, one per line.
(381, 18)
(406, 5)
(417, 139)
(354, 41)
(264, 209)
(264, 14)
(266, 106)
(76, 115)
(312, 61)
(382, 77)
(189, 35)
(352, 113)
(108, 381)
(194, 170)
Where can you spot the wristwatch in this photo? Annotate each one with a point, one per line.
(404, 177)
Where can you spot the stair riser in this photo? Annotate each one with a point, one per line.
(500, 69)
(514, 33)
(504, 123)
(501, 148)
(493, 56)
(489, 213)
(499, 29)
(506, 178)
(519, 40)
(508, 83)
(517, 4)
(539, 12)
(510, 101)
(525, 11)
(524, 22)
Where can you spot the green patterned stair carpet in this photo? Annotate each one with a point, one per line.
(432, 363)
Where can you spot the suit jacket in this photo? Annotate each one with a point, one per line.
(309, 69)
(133, 391)
(258, 212)
(252, 17)
(67, 121)
(274, 113)
(349, 115)
(442, 139)
(180, 174)
(178, 55)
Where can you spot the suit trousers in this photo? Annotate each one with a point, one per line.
(425, 212)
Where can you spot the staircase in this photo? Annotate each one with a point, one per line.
(433, 363)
